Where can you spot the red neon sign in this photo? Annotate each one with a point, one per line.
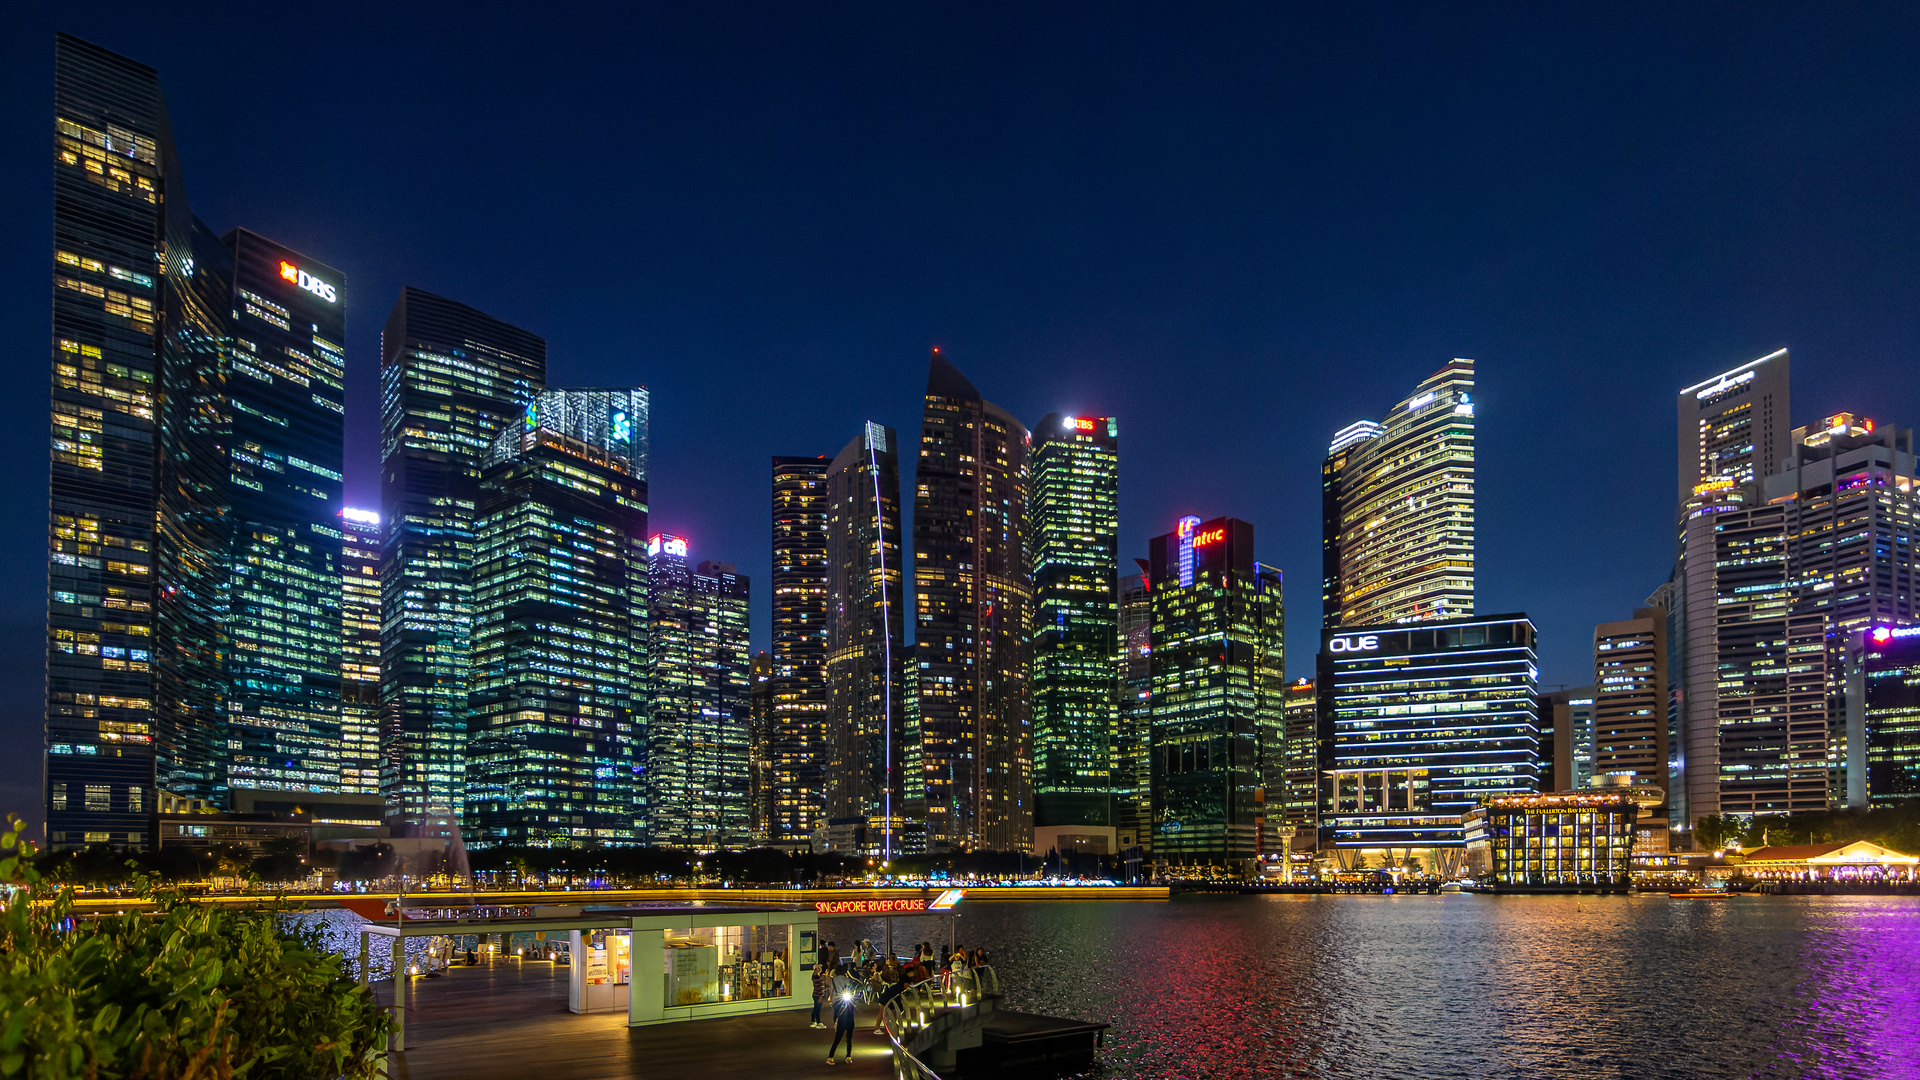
(868, 907)
(1211, 536)
(1083, 423)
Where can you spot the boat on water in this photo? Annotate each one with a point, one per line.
(1701, 894)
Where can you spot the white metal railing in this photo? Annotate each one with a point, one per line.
(914, 1009)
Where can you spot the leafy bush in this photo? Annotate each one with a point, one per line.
(184, 992)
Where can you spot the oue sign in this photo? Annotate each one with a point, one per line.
(1363, 643)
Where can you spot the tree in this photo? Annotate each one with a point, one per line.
(186, 991)
(284, 858)
(370, 862)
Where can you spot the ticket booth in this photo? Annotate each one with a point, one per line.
(719, 962)
(601, 978)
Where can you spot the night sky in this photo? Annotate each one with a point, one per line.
(1235, 230)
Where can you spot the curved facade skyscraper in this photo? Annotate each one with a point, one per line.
(1398, 500)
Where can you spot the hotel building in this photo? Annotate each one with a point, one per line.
(1074, 521)
(559, 580)
(1219, 684)
(452, 380)
(973, 598)
(1425, 722)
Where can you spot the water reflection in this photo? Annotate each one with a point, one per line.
(1461, 985)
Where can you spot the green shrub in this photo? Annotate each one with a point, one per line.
(185, 992)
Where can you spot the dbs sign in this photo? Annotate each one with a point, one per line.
(308, 282)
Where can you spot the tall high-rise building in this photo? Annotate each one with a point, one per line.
(760, 789)
(1133, 734)
(1734, 431)
(559, 593)
(698, 676)
(1298, 798)
(866, 653)
(360, 653)
(797, 732)
(1886, 672)
(1425, 721)
(1572, 725)
(1073, 517)
(1630, 698)
(112, 236)
(193, 576)
(1397, 505)
(1219, 689)
(1853, 539)
(286, 448)
(452, 380)
(1734, 426)
(973, 597)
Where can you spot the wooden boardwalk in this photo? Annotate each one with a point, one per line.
(509, 1021)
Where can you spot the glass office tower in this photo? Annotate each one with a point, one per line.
(1219, 687)
(1425, 722)
(698, 668)
(193, 590)
(360, 653)
(1299, 797)
(112, 236)
(452, 379)
(1074, 534)
(1629, 720)
(797, 728)
(286, 437)
(559, 586)
(866, 647)
(1887, 672)
(1398, 501)
(1133, 736)
(973, 596)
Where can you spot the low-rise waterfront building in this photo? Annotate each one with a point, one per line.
(1565, 841)
(1860, 861)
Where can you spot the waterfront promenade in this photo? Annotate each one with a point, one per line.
(508, 1020)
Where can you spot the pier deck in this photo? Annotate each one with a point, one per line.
(509, 1021)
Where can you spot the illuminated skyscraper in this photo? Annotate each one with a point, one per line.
(1887, 669)
(1629, 722)
(286, 398)
(1298, 800)
(797, 739)
(1219, 687)
(1398, 504)
(1074, 533)
(972, 595)
(1133, 736)
(866, 649)
(760, 789)
(698, 676)
(194, 564)
(451, 381)
(1425, 722)
(1735, 425)
(559, 587)
(360, 653)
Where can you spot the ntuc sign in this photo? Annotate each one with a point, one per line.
(1353, 644)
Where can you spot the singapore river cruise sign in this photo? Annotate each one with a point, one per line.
(886, 905)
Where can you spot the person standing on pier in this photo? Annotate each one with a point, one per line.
(822, 994)
(843, 1010)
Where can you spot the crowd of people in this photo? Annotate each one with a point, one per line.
(842, 983)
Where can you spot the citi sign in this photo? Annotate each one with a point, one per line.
(1363, 643)
(308, 282)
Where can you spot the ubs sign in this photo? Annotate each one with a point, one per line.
(1353, 644)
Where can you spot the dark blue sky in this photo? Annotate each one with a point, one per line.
(1234, 229)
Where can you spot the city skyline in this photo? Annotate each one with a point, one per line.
(1156, 448)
